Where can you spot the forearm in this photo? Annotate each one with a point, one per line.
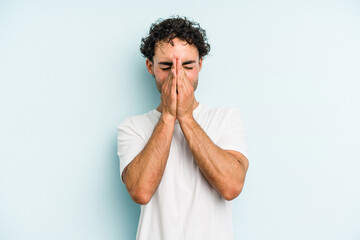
(225, 172)
(143, 175)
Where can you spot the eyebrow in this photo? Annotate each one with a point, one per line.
(170, 63)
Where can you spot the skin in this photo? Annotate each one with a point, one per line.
(176, 69)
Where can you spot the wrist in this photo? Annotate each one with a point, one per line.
(186, 119)
(167, 118)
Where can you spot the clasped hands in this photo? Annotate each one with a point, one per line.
(177, 93)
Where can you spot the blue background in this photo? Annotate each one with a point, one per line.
(71, 71)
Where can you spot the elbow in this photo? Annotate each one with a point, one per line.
(140, 197)
(232, 192)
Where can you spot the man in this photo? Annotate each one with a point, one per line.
(183, 162)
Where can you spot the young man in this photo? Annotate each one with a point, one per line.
(183, 162)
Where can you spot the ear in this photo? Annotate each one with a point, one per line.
(150, 66)
(200, 64)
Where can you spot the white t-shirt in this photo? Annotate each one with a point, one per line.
(185, 205)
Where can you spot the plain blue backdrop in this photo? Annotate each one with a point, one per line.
(71, 71)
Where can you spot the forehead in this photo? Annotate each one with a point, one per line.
(166, 51)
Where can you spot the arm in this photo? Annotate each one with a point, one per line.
(143, 174)
(224, 169)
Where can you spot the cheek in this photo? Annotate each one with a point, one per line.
(160, 75)
(193, 74)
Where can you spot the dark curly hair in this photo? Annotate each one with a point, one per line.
(168, 29)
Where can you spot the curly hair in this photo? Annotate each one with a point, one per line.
(174, 27)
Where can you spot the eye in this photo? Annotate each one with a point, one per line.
(188, 68)
(165, 68)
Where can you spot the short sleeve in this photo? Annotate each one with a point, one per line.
(232, 135)
(129, 143)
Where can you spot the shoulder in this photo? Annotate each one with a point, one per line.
(217, 117)
(140, 125)
(226, 111)
(137, 119)
(132, 120)
(221, 113)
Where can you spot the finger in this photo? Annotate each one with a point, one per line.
(173, 79)
(172, 85)
(173, 66)
(185, 79)
(181, 77)
(168, 80)
(178, 66)
(185, 83)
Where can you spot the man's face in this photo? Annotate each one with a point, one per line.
(162, 61)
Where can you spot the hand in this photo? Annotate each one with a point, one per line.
(168, 94)
(185, 96)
